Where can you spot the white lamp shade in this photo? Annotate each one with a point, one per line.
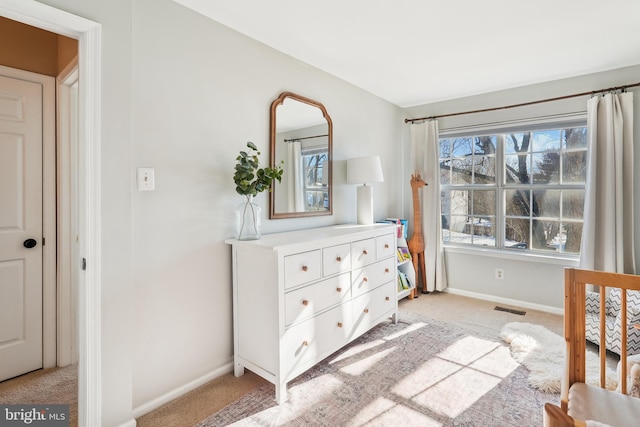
(364, 170)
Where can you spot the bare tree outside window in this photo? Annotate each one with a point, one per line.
(537, 205)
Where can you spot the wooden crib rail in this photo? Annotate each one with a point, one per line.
(576, 281)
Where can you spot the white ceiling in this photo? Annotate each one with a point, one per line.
(413, 52)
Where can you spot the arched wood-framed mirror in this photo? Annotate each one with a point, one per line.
(301, 137)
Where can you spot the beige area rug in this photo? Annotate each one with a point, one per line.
(542, 352)
(415, 373)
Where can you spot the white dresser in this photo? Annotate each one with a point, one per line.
(299, 296)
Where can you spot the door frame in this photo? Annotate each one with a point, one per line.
(67, 214)
(88, 33)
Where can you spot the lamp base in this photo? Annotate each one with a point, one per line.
(365, 204)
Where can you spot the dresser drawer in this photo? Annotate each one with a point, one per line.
(385, 246)
(302, 268)
(368, 308)
(363, 252)
(316, 337)
(336, 259)
(305, 302)
(370, 277)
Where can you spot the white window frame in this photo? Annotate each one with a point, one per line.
(571, 120)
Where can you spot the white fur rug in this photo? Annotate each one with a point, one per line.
(542, 352)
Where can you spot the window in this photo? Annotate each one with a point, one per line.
(316, 191)
(521, 190)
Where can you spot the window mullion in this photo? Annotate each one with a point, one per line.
(500, 171)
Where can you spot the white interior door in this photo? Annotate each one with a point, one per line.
(21, 138)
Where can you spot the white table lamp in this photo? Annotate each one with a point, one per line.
(364, 170)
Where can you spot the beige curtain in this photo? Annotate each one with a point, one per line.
(608, 233)
(424, 150)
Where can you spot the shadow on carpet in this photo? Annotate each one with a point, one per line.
(415, 373)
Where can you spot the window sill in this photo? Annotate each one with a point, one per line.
(560, 259)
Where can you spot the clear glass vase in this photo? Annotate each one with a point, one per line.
(248, 216)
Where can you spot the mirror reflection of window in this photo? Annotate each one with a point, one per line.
(302, 180)
(316, 190)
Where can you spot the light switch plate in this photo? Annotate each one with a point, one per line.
(146, 179)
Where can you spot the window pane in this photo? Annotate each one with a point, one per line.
(517, 143)
(517, 169)
(547, 202)
(461, 171)
(459, 204)
(485, 145)
(549, 234)
(458, 223)
(483, 231)
(574, 167)
(573, 231)
(546, 167)
(445, 172)
(316, 193)
(484, 170)
(461, 147)
(517, 202)
(455, 209)
(538, 235)
(516, 233)
(575, 138)
(445, 148)
(484, 202)
(573, 204)
(547, 140)
(458, 231)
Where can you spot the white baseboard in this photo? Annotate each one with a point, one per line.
(508, 301)
(130, 423)
(154, 404)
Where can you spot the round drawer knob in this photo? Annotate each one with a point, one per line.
(305, 302)
(339, 289)
(364, 279)
(364, 252)
(339, 324)
(386, 270)
(386, 246)
(366, 310)
(305, 268)
(338, 258)
(305, 343)
(387, 298)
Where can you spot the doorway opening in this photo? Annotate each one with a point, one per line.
(88, 34)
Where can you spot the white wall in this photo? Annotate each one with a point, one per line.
(200, 92)
(539, 282)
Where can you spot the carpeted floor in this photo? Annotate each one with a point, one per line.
(419, 372)
(44, 386)
(452, 321)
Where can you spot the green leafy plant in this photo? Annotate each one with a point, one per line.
(251, 179)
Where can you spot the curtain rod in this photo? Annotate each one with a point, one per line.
(306, 137)
(611, 89)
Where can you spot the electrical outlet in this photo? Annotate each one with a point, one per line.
(499, 273)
